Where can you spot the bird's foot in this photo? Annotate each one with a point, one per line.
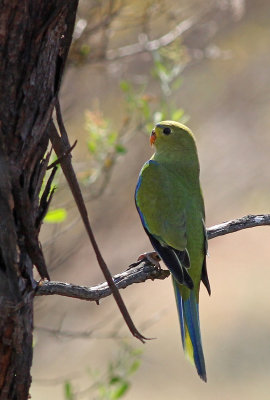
(152, 257)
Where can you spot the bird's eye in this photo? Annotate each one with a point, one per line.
(167, 131)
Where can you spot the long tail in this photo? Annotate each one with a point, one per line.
(188, 312)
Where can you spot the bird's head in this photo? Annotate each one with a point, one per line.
(170, 135)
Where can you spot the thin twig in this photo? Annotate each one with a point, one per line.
(150, 45)
(144, 270)
(61, 145)
(58, 161)
(249, 221)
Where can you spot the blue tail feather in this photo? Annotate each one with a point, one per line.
(188, 312)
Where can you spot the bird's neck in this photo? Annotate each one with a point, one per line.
(178, 162)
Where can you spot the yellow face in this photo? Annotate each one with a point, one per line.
(165, 129)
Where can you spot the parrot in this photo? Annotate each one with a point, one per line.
(170, 204)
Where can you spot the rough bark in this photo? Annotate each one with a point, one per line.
(34, 40)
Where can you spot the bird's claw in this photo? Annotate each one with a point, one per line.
(151, 257)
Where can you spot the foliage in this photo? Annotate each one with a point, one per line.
(104, 145)
(144, 109)
(117, 379)
(102, 139)
(149, 109)
(56, 216)
(68, 391)
(114, 383)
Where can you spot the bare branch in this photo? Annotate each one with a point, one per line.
(249, 221)
(145, 45)
(143, 270)
(150, 45)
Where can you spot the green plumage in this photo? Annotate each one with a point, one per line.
(171, 207)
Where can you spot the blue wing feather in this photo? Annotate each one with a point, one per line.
(138, 209)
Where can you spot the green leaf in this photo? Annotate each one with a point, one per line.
(92, 147)
(112, 137)
(177, 83)
(136, 352)
(120, 391)
(68, 391)
(145, 109)
(115, 379)
(56, 216)
(119, 148)
(125, 86)
(85, 49)
(34, 342)
(160, 67)
(134, 366)
(103, 391)
(177, 114)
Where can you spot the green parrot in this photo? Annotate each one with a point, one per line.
(170, 204)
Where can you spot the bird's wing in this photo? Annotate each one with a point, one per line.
(161, 208)
(204, 276)
(162, 211)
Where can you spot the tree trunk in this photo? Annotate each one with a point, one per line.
(35, 37)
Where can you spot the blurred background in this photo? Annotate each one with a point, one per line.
(132, 64)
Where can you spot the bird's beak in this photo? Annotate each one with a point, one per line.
(153, 137)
